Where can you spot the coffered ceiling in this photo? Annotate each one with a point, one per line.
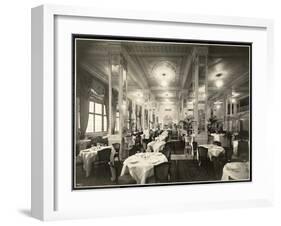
(163, 69)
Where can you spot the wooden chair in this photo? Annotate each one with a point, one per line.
(167, 153)
(169, 145)
(218, 164)
(243, 150)
(161, 172)
(174, 134)
(103, 158)
(179, 147)
(228, 153)
(121, 180)
(194, 147)
(126, 179)
(133, 151)
(203, 156)
(116, 146)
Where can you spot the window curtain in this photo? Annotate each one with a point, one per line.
(83, 89)
(99, 93)
(90, 88)
(84, 115)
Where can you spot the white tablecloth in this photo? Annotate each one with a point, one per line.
(140, 166)
(159, 142)
(236, 171)
(156, 146)
(213, 150)
(88, 156)
(162, 136)
(217, 136)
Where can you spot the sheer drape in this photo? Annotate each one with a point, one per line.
(90, 88)
(84, 114)
(83, 93)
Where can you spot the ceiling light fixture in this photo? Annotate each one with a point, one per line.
(218, 102)
(219, 83)
(164, 84)
(139, 94)
(235, 94)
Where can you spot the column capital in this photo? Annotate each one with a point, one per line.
(201, 51)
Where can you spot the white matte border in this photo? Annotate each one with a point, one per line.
(150, 199)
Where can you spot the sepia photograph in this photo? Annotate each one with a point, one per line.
(154, 112)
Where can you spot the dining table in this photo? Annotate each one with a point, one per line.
(88, 156)
(141, 165)
(155, 146)
(158, 144)
(217, 136)
(236, 171)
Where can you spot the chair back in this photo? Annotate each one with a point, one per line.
(169, 145)
(161, 172)
(194, 145)
(174, 134)
(98, 140)
(203, 153)
(116, 146)
(243, 150)
(77, 149)
(133, 150)
(167, 153)
(138, 140)
(218, 164)
(104, 155)
(179, 147)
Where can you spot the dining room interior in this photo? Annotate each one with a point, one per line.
(160, 112)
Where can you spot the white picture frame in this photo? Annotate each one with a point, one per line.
(52, 198)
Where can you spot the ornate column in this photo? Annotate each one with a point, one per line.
(195, 80)
(117, 84)
(200, 79)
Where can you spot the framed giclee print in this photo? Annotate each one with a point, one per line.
(135, 108)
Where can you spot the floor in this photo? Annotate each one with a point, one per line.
(181, 171)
